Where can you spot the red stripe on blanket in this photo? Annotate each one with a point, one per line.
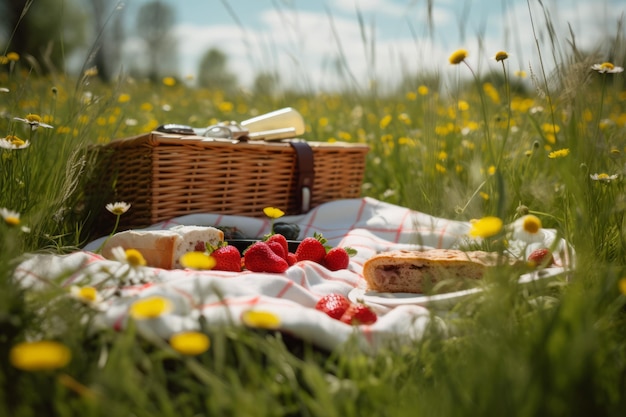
(442, 235)
(313, 214)
(401, 226)
(285, 288)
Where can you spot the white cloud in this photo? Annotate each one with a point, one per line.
(305, 46)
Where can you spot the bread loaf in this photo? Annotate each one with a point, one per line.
(419, 271)
(163, 248)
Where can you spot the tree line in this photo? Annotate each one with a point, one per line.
(46, 33)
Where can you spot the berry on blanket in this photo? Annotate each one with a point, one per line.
(334, 305)
(359, 314)
(259, 257)
(227, 258)
(312, 249)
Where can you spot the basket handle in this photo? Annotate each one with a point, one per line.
(305, 174)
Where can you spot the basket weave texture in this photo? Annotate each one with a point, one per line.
(165, 176)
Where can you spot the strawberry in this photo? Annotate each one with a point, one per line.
(334, 305)
(227, 258)
(277, 248)
(291, 258)
(311, 249)
(259, 257)
(336, 259)
(282, 240)
(540, 258)
(359, 314)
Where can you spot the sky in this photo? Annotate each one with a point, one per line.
(305, 41)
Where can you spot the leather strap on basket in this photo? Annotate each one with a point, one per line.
(305, 174)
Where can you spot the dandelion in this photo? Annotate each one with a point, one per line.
(190, 343)
(603, 177)
(197, 260)
(88, 294)
(12, 218)
(561, 153)
(528, 229)
(486, 227)
(520, 74)
(123, 98)
(260, 319)
(13, 142)
(13, 56)
(43, 355)
(34, 121)
(622, 285)
(149, 308)
(458, 56)
(501, 56)
(606, 67)
(118, 208)
(422, 90)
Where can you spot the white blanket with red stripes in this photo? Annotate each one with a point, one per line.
(365, 224)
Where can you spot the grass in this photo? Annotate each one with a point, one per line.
(488, 148)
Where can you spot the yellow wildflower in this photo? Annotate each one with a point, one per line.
(501, 56)
(561, 153)
(169, 81)
(197, 260)
(260, 319)
(149, 308)
(458, 56)
(273, 212)
(42, 355)
(190, 343)
(486, 227)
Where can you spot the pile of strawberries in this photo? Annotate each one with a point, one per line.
(272, 255)
(339, 307)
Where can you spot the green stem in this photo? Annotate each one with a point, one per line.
(117, 222)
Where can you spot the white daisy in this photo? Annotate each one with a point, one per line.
(13, 142)
(118, 208)
(606, 67)
(34, 121)
(603, 177)
(528, 229)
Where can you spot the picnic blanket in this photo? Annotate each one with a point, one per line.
(365, 224)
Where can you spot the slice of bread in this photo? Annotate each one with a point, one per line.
(419, 271)
(195, 238)
(163, 248)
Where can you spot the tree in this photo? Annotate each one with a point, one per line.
(214, 73)
(46, 30)
(154, 24)
(109, 38)
(266, 84)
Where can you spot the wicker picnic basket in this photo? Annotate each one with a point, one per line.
(169, 175)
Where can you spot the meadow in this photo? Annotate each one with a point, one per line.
(501, 144)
